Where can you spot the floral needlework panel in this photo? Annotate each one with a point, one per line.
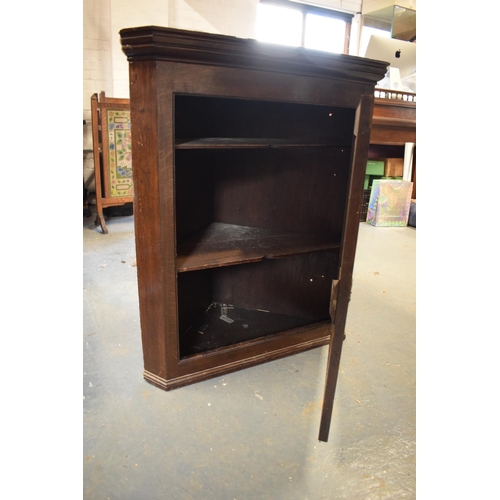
(119, 153)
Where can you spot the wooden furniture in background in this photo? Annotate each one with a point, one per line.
(112, 154)
(394, 124)
(249, 163)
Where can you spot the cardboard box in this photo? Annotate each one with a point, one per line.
(393, 167)
(389, 203)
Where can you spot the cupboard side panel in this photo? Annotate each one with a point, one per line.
(144, 133)
(151, 119)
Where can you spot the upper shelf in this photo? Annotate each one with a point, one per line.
(228, 244)
(245, 143)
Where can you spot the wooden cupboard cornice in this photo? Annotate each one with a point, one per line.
(153, 43)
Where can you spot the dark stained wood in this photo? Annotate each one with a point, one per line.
(389, 121)
(303, 282)
(270, 189)
(212, 330)
(208, 80)
(195, 292)
(242, 355)
(343, 288)
(244, 143)
(394, 122)
(167, 44)
(393, 135)
(223, 122)
(249, 161)
(378, 151)
(166, 189)
(274, 190)
(298, 285)
(151, 112)
(225, 244)
(394, 108)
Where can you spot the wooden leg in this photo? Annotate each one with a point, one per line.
(99, 221)
(86, 208)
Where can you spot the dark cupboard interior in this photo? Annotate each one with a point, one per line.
(260, 199)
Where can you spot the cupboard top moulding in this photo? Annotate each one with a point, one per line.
(152, 43)
(249, 164)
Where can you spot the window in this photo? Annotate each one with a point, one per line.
(299, 25)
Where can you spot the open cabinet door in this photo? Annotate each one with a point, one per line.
(341, 288)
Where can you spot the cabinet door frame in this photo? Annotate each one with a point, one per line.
(342, 296)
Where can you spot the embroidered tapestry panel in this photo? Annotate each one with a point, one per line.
(119, 153)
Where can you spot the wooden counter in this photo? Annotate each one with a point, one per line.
(393, 125)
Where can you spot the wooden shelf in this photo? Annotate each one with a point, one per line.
(216, 328)
(246, 143)
(228, 244)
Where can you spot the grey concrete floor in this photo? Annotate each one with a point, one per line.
(252, 434)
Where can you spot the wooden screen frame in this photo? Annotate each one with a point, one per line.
(99, 104)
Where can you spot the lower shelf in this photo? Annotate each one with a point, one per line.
(243, 355)
(224, 325)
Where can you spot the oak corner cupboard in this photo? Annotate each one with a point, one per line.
(249, 163)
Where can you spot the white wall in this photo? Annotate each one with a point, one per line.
(104, 64)
(127, 15)
(105, 67)
(97, 70)
(227, 17)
